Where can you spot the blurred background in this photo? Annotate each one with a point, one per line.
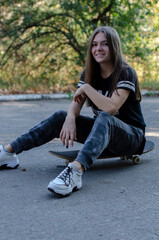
(43, 43)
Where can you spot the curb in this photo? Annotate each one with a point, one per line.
(55, 96)
(27, 97)
(149, 93)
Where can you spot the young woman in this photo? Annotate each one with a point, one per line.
(110, 86)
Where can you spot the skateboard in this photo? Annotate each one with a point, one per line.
(69, 156)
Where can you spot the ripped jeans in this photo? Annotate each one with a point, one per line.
(104, 133)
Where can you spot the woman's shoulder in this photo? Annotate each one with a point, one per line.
(128, 74)
(127, 79)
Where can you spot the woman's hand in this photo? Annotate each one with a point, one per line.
(80, 95)
(68, 132)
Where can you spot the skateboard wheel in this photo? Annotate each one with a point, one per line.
(123, 158)
(136, 160)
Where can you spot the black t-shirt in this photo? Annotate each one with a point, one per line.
(130, 112)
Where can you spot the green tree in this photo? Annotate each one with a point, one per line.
(47, 39)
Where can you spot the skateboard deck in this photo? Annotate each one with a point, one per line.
(71, 155)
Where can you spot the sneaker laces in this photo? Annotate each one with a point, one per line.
(66, 175)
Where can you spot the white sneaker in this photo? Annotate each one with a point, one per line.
(68, 180)
(8, 160)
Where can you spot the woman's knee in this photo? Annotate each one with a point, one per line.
(57, 117)
(104, 118)
(60, 114)
(104, 114)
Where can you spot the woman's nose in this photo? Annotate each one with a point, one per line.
(99, 47)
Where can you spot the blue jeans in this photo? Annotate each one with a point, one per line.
(104, 133)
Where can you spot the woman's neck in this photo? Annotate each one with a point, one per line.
(106, 70)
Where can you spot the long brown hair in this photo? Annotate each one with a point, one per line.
(92, 72)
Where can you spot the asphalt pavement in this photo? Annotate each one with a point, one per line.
(118, 200)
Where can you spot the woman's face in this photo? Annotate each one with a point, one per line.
(100, 49)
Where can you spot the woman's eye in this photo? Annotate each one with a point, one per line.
(101, 44)
(105, 44)
(94, 44)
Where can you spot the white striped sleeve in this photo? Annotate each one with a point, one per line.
(126, 85)
(81, 81)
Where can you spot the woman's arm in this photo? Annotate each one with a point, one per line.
(68, 131)
(104, 103)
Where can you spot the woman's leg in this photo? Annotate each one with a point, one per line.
(49, 129)
(110, 133)
(40, 134)
(84, 126)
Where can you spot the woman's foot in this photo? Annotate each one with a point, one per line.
(67, 181)
(8, 159)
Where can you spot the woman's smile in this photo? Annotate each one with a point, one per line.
(100, 48)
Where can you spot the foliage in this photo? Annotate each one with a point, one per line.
(43, 43)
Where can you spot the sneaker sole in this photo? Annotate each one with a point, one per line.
(9, 165)
(58, 194)
(61, 194)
